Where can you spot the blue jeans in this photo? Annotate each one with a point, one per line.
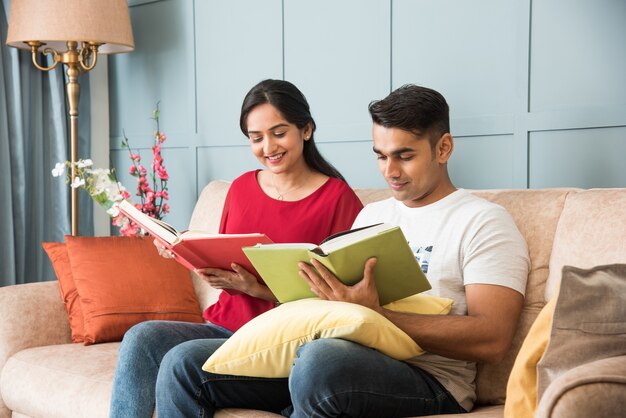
(140, 355)
(329, 378)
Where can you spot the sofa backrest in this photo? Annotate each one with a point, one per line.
(591, 232)
(585, 235)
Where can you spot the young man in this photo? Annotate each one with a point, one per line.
(470, 250)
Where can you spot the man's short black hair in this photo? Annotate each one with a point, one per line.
(412, 108)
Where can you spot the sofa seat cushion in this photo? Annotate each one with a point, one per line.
(489, 411)
(68, 380)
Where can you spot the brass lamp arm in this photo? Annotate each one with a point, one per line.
(88, 51)
(83, 56)
(34, 48)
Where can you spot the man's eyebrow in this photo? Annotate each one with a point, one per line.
(395, 152)
(280, 125)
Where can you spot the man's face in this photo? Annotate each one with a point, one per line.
(412, 169)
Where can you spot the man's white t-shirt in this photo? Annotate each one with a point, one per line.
(459, 240)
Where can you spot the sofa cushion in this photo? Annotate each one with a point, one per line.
(521, 390)
(589, 321)
(68, 380)
(266, 346)
(57, 252)
(122, 281)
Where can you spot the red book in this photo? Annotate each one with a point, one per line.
(197, 249)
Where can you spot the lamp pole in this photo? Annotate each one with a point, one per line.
(77, 61)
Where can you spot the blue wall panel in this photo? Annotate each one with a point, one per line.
(356, 161)
(464, 49)
(482, 162)
(224, 163)
(338, 54)
(578, 54)
(238, 44)
(580, 158)
(160, 69)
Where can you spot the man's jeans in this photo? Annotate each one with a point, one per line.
(140, 355)
(329, 378)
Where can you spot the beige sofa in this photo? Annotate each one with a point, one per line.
(43, 375)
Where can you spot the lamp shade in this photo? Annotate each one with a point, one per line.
(54, 22)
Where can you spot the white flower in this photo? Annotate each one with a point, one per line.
(102, 181)
(78, 182)
(58, 169)
(113, 211)
(84, 163)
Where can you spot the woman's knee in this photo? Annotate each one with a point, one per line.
(142, 337)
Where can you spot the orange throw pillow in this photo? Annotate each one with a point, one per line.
(122, 281)
(61, 264)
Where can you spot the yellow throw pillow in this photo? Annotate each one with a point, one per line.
(521, 389)
(266, 346)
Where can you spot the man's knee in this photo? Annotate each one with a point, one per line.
(319, 363)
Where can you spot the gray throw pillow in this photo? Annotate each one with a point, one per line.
(589, 321)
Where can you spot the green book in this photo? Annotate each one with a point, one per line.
(397, 272)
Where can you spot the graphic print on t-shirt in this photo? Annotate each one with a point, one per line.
(422, 255)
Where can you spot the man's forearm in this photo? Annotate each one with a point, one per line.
(483, 335)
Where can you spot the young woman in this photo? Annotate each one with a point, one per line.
(298, 197)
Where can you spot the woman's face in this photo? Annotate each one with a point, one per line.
(276, 143)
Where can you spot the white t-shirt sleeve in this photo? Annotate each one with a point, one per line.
(496, 253)
(372, 213)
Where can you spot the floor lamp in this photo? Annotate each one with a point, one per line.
(74, 32)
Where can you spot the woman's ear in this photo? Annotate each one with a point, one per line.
(307, 131)
(444, 148)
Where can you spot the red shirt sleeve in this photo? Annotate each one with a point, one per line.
(225, 212)
(348, 207)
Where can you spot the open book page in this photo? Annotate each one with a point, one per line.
(344, 239)
(196, 234)
(156, 228)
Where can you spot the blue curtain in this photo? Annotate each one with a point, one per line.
(34, 206)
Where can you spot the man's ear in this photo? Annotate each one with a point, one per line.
(444, 148)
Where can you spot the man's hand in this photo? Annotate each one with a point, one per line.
(326, 286)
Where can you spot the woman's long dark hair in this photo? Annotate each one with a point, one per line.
(292, 104)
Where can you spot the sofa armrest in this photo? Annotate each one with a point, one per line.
(593, 389)
(31, 315)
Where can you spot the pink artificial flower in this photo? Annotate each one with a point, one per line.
(153, 189)
(162, 173)
(163, 194)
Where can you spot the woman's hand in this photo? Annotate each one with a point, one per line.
(238, 278)
(163, 252)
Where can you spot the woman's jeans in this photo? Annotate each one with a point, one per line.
(140, 355)
(329, 378)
